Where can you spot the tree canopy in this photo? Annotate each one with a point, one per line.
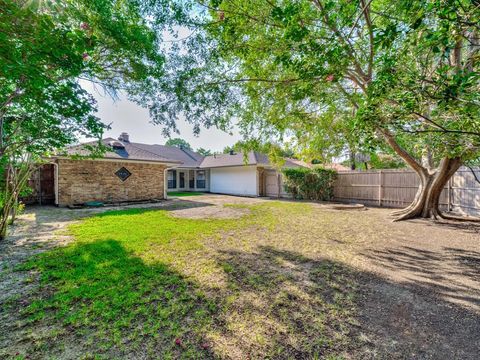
(178, 142)
(47, 49)
(402, 77)
(204, 152)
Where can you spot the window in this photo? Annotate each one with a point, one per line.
(201, 183)
(172, 179)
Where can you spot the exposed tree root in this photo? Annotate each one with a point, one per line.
(435, 213)
(459, 218)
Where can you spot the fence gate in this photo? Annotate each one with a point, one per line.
(43, 186)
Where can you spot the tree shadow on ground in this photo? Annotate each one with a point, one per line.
(99, 298)
(321, 307)
(452, 274)
(41, 228)
(460, 226)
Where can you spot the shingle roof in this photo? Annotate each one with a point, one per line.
(238, 159)
(187, 157)
(173, 154)
(129, 152)
(221, 160)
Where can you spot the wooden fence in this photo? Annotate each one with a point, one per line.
(397, 188)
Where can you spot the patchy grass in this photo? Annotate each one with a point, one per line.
(184, 193)
(284, 281)
(143, 283)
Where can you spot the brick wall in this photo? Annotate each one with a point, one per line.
(80, 181)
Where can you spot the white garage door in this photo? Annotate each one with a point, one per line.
(271, 183)
(237, 180)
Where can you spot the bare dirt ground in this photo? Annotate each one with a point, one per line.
(418, 282)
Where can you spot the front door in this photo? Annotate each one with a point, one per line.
(172, 179)
(191, 183)
(201, 179)
(181, 175)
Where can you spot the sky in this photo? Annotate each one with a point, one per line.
(126, 116)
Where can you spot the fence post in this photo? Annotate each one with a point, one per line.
(380, 188)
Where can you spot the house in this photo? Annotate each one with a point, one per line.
(131, 171)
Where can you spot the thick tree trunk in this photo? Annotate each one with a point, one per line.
(432, 182)
(427, 199)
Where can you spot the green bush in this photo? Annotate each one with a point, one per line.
(311, 184)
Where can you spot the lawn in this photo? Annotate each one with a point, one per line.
(184, 193)
(284, 280)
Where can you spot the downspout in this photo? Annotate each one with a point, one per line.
(55, 179)
(165, 182)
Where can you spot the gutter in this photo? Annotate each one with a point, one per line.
(165, 184)
(167, 162)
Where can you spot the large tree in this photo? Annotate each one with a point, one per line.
(179, 142)
(204, 152)
(46, 49)
(364, 74)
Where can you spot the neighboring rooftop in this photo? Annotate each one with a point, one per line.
(336, 167)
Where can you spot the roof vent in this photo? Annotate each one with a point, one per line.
(116, 145)
(124, 137)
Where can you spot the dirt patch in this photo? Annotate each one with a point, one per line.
(212, 212)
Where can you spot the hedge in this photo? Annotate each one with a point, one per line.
(311, 184)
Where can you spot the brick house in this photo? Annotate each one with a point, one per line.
(131, 171)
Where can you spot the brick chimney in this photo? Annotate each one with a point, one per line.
(124, 137)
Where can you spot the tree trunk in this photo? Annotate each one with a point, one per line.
(427, 199)
(432, 181)
(4, 221)
(352, 160)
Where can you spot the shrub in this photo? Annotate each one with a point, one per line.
(311, 184)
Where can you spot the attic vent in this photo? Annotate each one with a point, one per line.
(116, 145)
(123, 173)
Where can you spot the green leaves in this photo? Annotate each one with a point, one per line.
(331, 75)
(48, 47)
(311, 184)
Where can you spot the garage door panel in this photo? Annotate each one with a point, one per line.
(239, 180)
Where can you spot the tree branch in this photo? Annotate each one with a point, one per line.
(402, 152)
(345, 41)
(368, 21)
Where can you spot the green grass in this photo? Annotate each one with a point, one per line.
(144, 282)
(184, 193)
